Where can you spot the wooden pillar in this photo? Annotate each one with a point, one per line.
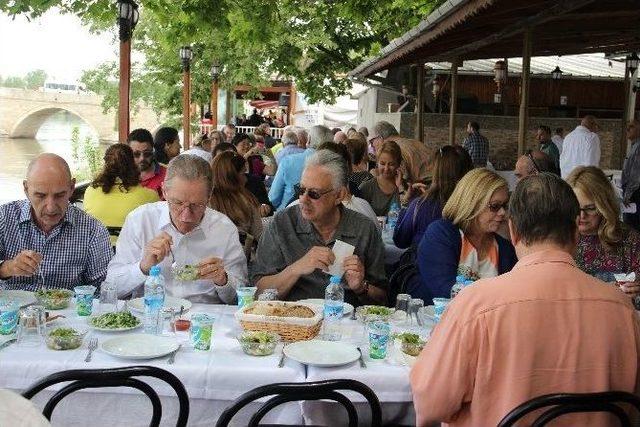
(420, 102)
(230, 105)
(186, 110)
(292, 105)
(453, 103)
(213, 108)
(124, 90)
(524, 93)
(627, 115)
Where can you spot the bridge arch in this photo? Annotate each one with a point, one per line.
(28, 125)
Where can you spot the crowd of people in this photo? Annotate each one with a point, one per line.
(545, 308)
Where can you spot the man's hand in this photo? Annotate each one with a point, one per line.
(632, 289)
(318, 257)
(155, 251)
(213, 269)
(354, 273)
(24, 264)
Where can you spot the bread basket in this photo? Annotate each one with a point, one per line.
(268, 316)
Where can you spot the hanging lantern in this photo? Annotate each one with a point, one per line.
(632, 61)
(435, 88)
(556, 74)
(500, 72)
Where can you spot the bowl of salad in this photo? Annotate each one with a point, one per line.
(410, 343)
(54, 299)
(64, 338)
(185, 273)
(258, 343)
(369, 313)
(117, 321)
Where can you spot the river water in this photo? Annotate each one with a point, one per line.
(54, 136)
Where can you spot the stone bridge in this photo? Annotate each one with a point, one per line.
(22, 112)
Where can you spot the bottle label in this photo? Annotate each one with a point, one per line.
(333, 311)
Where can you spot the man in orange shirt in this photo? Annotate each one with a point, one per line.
(545, 327)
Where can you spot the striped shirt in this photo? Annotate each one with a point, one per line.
(77, 251)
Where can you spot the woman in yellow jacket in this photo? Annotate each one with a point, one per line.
(116, 190)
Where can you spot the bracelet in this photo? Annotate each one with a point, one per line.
(366, 288)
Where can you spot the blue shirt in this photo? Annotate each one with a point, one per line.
(414, 220)
(76, 252)
(288, 174)
(289, 149)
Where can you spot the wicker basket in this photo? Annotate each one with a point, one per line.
(289, 328)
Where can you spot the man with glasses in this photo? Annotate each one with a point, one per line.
(630, 180)
(152, 173)
(295, 250)
(581, 147)
(183, 231)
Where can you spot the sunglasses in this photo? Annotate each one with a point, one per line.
(589, 210)
(535, 165)
(312, 193)
(495, 207)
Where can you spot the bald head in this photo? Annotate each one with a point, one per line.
(534, 163)
(590, 123)
(49, 163)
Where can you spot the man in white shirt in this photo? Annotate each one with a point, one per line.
(581, 147)
(558, 138)
(185, 230)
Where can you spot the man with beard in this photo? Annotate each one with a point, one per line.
(152, 173)
(295, 251)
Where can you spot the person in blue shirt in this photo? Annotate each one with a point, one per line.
(289, 172)
(450, 164)
(465, 241)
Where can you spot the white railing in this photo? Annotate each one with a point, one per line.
(275, 132)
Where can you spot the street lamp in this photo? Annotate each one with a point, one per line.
(186, 54)
(213, 108)
(128, 16)
(556, 74)
(500, 74)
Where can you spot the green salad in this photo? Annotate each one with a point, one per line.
(63, 332)
(258, 343)
(411, 344)
(408, 337)
(116, 320)
(186, 272)
(377, 310)
(64, 339)
(258, 337)
(54, 299)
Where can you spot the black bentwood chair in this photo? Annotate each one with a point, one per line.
(116, 377)
(293, 392)
(566, 403)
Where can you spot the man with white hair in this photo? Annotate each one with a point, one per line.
(290, 169)
(184, 230)
(295, 250)
(581, 147)
(290, 146)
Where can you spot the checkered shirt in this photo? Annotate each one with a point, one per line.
(478, 148)
(77, 251)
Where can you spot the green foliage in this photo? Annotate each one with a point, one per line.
(35, 79)
(14, 82)
(86, 155)
(313, 42)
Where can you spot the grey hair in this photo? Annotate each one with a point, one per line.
(334, 163)
(189, 167)
(302, 134)
(289, 138)
(319, 134)
(384, 129)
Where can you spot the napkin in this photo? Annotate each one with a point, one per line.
(629, 209)
(340, 250)
(631, 277)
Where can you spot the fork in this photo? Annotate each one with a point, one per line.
(173, 257)
(172, 358)
(93, 344)
(362, 364)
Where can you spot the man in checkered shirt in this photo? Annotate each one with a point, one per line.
(477, 145)
(46, 242)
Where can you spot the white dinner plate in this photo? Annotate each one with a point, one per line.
(137, 304)
(21, 297)
(346, 308)
(139, 346)
(322, 353)
(95, 328)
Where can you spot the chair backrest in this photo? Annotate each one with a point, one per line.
(114, 231)
(566, 403)
(293, 392)
(116, 377)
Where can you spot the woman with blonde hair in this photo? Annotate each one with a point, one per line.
(465, 241)
(230, 197)
(606, 245)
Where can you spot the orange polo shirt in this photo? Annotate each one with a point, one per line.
(545, 327)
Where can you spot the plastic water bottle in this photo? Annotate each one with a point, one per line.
(153, 301)
(333, 309)
(457, 287)
(392, 216)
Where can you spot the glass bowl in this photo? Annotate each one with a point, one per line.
(69, 341)
(369, 313)
(54, 299)
(185, 273)
(258, 343)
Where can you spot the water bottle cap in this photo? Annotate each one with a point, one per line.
(335, 279)
(460, 279)
(155, 270)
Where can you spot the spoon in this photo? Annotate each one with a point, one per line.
(174, 264)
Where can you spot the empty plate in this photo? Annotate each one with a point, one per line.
(139, 346)
(322, 353)
(137, 304)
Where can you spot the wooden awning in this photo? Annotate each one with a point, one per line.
(479, 29)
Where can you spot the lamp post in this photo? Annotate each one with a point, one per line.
(213, 108)
(186, 54)
(632, 61)
(556, 74)
(127, 19)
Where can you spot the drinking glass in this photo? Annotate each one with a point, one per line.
(245, 295)
(8, 316)
(379, 332)
(402, 303)
(108, 297)
(268, 295)
(415, 304)
(84, 299)
(201, 331)
(31, 326)
(440, 304)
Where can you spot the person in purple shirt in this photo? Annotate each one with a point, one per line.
(450, 164)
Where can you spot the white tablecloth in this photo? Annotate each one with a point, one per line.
(213, 380)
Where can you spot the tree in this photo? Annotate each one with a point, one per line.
(35, 79)
(313, 42)
(14, 82)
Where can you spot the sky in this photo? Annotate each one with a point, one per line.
(56, 43)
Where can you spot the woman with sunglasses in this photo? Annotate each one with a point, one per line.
(606, 245)
(387, 186)
(465, 241)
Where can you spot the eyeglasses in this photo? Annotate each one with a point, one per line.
(535, 165)
(312, 193)
(181, 206)
(589, 210)
(495, 207)
(145, 154)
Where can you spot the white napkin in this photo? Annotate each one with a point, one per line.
(340, 250)
(631, 277)
(629, 209)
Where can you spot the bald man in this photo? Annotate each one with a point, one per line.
(46, 242)
(581, 147)
(533, 163)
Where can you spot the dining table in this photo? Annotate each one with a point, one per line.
(213, 379)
